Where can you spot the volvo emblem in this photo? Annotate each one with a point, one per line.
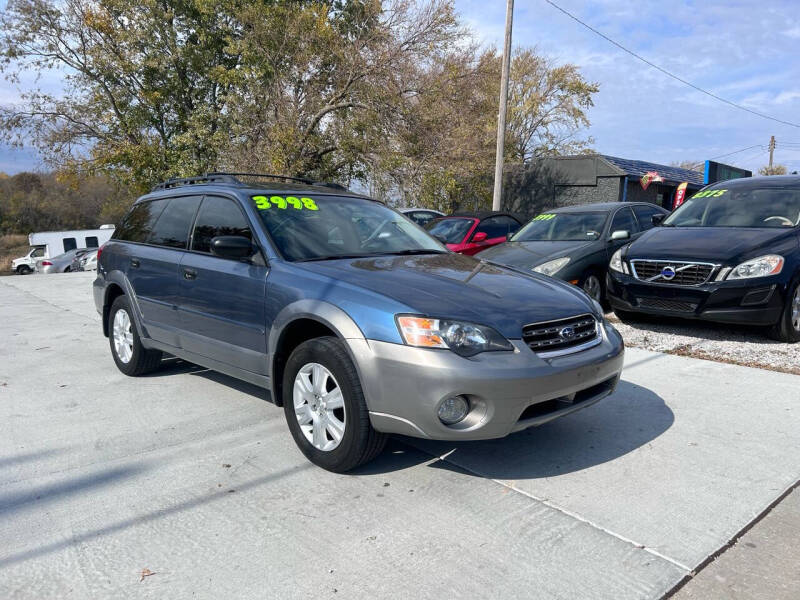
(668, 273)
(567, 333)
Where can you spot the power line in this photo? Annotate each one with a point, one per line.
(655, 66)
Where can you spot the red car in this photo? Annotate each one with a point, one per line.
(469, 233)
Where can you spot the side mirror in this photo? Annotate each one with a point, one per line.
(658, 218)
(621, 234)
(479, 237)
(232, 246)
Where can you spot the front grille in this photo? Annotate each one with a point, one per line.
(563, 334)
(670, 305)
(542, 409)
(685, 273)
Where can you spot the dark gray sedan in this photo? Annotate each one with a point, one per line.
(575, 243)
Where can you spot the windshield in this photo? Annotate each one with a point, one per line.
(452, 231)
(325, 227)
(739, 207)
(562, 227)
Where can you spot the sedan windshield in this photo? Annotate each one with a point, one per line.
(451, 231)
(562, 227)
(739, 207)
(328, 227)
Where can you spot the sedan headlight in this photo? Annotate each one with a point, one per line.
(465, 339)
(770, 264)
(617, 264)
(551, 267)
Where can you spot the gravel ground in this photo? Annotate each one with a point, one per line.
(722, 343)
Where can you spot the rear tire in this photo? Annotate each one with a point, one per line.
(320, 372)
(131, 357)
(787, 329)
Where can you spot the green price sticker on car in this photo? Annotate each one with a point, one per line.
(544, 217)
(710, 194)
(284, 202)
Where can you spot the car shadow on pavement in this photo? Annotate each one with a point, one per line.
(703, 330)
(627, 420)
(172, 366)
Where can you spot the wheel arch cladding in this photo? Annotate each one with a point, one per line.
(113, 291)
(301, 321)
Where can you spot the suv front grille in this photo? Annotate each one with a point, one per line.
(560, 335)
(674, 273)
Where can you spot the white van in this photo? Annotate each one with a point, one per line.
(47, 244)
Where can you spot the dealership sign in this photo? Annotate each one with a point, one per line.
(680, 195)
(650, 177)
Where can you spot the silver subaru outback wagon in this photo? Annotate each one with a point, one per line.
(358, 322)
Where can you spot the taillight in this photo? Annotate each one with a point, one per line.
(99, 251)
(47, 263)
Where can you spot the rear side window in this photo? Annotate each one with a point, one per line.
(173, 225)
(645, 216)
(218, 216)
(138, 224)
(496, 227)
(624, 221)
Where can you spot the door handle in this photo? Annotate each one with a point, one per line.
(135, 263)
(189, 274)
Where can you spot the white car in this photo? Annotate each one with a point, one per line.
(421, 216)
(89, 261)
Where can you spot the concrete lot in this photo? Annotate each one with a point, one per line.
(194, 477)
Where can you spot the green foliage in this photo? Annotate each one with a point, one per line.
(392, 93)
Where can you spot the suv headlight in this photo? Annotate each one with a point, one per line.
(465, 339)
(770, 264)
(617, 264)
(551, 267)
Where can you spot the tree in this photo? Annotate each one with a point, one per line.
(689, 165)
(773, 170)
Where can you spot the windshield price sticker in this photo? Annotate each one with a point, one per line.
(544, 217)
(264, 203)
(709, 194)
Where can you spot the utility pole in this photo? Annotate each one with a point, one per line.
(501, 117)
(771, 150)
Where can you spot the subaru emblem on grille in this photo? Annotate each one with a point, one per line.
(668, 273)
(567, 333)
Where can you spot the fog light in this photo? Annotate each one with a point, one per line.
(453, 410)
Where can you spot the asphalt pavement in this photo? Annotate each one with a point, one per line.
(187, 484)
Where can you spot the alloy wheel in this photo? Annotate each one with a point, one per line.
(796, 309)
(123, 336)
(592, 287)
(319, 407)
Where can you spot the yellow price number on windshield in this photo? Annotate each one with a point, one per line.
(544, 217)
(282, 203)
(709, 194)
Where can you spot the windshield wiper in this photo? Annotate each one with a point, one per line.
(332, 257)
(411, 252)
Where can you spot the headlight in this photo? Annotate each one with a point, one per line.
(465, 339)
(771, 264)
(617, 264)
(551, 267)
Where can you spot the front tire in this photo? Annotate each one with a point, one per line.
(787, 329)
(131, 357)
(325, 407)
(23, 270)
(592, 284)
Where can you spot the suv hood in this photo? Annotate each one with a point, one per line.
(725, 245)
(525, 255)
(461, 287)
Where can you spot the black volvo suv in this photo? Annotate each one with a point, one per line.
(730, 253)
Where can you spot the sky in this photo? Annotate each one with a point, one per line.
(746, 52)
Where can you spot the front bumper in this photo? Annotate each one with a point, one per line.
(508, 391)
(746, 302)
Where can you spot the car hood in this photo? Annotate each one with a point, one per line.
(716, 244)
(525, 255)
(461, 287)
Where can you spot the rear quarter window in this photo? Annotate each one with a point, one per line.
(138, 223)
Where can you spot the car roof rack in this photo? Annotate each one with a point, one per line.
(224, 177)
